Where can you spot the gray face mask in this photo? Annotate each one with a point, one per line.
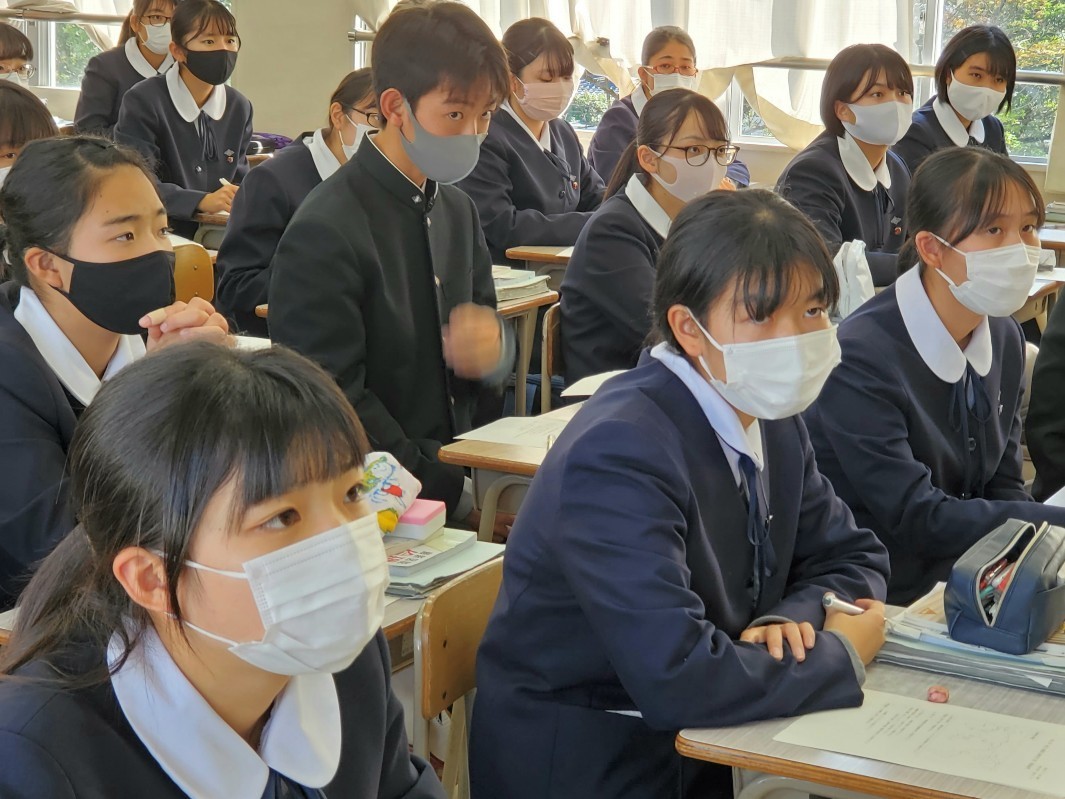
(445, 159)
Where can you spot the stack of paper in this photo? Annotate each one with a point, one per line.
(514, 284)
(406, 558)
(525, 431)
(436, 574)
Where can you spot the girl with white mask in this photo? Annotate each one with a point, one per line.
(681, 152)
(211, 628)
(847, 180)
(143, 52)
(667, 62)
(272, 192)
(23, 118)
(919, 428)
(679, 535)
(16, 53)
(975, 77)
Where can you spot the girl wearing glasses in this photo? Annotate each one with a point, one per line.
(847, 181)
(668, 62)
(16, 52)
(532, 184)
(188, 123)
(681, 151)
(272, 192)
(144, 53)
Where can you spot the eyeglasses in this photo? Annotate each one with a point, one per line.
(374, 118)
(26, 71)
(699, 154)
(156, 20)
(669, 69)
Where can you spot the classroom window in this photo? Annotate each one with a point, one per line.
(71, 53)
(594, 96)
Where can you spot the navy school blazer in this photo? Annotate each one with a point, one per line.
(78, 744)
(616, 132)
(267, 201)
(926, 136)
(882, 435)
(526, 196)
(625, 587)
(606, 291)
(108, 76)
(1046, 422)
(37, 420)
(817, 183)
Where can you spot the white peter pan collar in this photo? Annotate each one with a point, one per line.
(180, 95)
(647, 207)
(735, 440)
(857, 165)
(544, 139)
(63, 357)
(953, 127)
(140, 63)
(202, 754)
(324, 161)
(639, 99)
(934, 344)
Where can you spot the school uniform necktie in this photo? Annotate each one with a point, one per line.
(280, 787)
(206, 134)
(970, 402)
(757, 530)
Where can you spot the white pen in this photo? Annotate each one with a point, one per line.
(833, 602)
(224, 182)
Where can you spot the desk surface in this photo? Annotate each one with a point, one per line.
(493, 456)
(510, 308)
(221, 220)
(751, 746)
(547, 255)
(1052, 238)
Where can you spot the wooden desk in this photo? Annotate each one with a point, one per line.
(550, 261)
(751, 746)
(1039, 305)
(218, 220)
(524, 312)
(1053, 239)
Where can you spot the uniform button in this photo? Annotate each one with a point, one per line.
(199, 169)
(562, 195)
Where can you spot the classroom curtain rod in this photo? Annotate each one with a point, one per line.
(60, 16)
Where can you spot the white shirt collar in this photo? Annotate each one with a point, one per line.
(734, 439)
(140, 63)
(647, 206)
(639, 99)
(324, 161)
(203, 754)
(857, 165)
(953, 127)
(180, 95)
(545, 135)
(63, 357)
(934, 344)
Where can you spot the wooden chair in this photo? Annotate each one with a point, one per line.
(550, 354)
(447, 632)
(193, 273)
(255, 160)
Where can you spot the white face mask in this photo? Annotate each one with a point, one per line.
(158, 40)
(973, 102)
(661, 83)
(691, 181)
(360, 131)
(4, 171)
(884, 123)
(15, 78)
(546, 101)
(999, 280)
(775, 378)
(321, 600)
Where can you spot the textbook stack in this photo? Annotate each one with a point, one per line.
(516, 284)
(1056, 213)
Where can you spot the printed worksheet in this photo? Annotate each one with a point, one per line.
(525, 431)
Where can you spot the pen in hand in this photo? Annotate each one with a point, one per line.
(832, 602)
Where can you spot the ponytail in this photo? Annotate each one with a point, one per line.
(628, 166)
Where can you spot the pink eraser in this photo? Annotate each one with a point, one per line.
(422, 511)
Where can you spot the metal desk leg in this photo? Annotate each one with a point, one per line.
(491, 502)
(525, 328)
(768, 786)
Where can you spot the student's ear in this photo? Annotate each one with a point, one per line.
(42, 265)
(930, 249)
(843, 113)
(646, 79)
(647, 159)
(142, 576)
(336, 116)
(516, 86)
(177, 52)
(687, 333)
(392, 108)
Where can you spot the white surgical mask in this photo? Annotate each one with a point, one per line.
(546, 101)
(321, 600)
(884, 123)
(999, 280)
(360, 131)
(15, 78)
(973, 102)
(775, 378)
(4, 171)
(661, 83)
(158, 40)
(691, 181)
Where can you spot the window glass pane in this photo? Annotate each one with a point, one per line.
(594, 96)
(73, 51)
(753, 124)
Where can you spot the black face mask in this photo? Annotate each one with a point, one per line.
(211, 66)
(117, 295)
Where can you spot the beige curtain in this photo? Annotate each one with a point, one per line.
(105, 36)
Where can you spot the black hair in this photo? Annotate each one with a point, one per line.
(979, 39)
(528, 39)
(854, 71)
(660, 37)
(440, 45)
(140, 9)
(49, 189)
(957, 190)
(353, 89)
(710, 250)
(23, 117)
(661, 119)
(193, 18)
(155, 446)
(14, 43)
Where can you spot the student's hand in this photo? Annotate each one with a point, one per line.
(800, 637)
(727, 184)
(865, 632)
(196, 319)
(218, 201)
(501, 528)
(472, 341)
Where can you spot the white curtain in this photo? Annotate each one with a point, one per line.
(105, 36)
(730, 36)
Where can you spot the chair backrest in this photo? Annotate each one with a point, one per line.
(551, 363)
(193, 273)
